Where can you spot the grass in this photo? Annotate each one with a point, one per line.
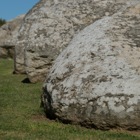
(21, 117)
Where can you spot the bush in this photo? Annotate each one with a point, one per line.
(2, 21)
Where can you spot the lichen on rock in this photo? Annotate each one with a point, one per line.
(49, 27)
(95, 81)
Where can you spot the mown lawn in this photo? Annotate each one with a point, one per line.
(21, 117)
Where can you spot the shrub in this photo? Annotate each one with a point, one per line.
(2, 21)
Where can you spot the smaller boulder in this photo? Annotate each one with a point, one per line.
(8, 37)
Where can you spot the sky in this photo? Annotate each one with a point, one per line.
(9, 9)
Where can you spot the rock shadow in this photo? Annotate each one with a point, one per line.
(26, 81)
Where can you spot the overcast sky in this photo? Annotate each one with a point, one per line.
(10, 9)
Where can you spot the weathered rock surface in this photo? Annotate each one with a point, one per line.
(95, 81)
(6, 51)
(49, 27)
(8, 37)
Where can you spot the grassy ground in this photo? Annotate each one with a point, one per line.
(21, 117)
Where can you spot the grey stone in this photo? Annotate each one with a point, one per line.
(49, 27)
(95, 81)
(8, 37)
(7, 52)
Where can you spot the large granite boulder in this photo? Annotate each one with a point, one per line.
(95, 81)
(8, 37)
(49, 27)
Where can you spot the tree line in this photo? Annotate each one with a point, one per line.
(2, 21)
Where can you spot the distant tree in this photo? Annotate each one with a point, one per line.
(2, 21)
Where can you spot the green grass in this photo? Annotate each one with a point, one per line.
(21, 117)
